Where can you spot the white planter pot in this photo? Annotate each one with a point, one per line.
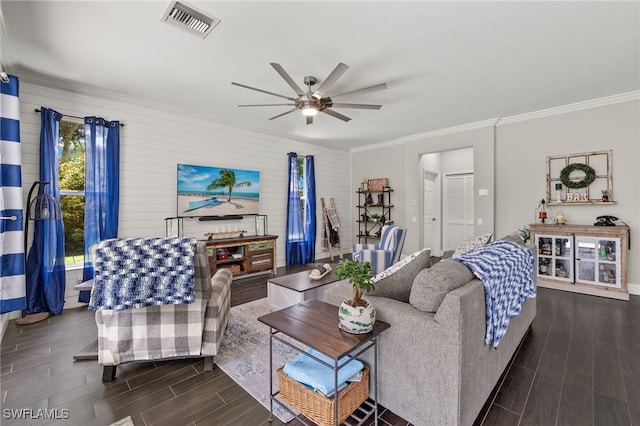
(358, 320)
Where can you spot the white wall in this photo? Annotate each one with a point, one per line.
(514, 152)
(521, 151)
(155, 139)
(457, 160)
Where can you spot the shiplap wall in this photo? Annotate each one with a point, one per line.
(155, 139)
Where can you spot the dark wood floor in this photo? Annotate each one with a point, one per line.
(578, 366)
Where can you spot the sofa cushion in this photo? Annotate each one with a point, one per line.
(513, 238)
(431, 285)
(395, 282)
(472, 243)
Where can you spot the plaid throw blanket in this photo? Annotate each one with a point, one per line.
(506, 270)
(140, 272)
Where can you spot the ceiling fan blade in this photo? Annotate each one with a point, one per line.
(335, 114)
(309, 119)
(263, 91)
(330, 80)
(288, 79)
(363, 90)
(263, 105)
(356, 106)
(284, 113)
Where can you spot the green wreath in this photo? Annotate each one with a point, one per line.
(589, 176)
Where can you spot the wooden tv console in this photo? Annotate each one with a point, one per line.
(243, 255)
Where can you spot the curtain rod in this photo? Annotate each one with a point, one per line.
(74, 116)
(298, 155)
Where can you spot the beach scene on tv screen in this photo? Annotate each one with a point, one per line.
(217, 191)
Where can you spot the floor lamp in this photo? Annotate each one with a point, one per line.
(42, 207)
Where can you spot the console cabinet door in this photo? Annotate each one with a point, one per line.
(555, 257)
(598, 261)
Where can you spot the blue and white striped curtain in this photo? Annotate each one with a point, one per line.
(12, 276)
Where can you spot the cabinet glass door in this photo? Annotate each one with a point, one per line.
(598, 261)
(555, 257)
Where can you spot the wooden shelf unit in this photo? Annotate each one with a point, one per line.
(381, 205)
(582, 258)
(253, 254)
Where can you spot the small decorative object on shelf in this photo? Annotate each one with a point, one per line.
(558, 193)
(377, 185)
(560, 219)
(369, 200)
(606, 195)
(226, 232)
(542, 212)
(364, 186)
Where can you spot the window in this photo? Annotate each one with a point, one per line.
(71, 149)
(301, 186)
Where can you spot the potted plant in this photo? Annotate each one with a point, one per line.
(356, 314)
(375, 217)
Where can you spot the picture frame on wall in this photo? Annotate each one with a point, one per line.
(378, 184)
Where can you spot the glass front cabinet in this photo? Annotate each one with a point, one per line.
(598, 261)
(582, 259)
(555, 257)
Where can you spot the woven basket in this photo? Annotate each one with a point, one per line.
(319, 408)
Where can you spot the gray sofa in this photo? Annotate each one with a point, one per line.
(434, 367)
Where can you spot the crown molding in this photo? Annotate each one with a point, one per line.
(430, 134)
(578, 106)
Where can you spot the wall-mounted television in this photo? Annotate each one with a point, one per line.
(205, 191)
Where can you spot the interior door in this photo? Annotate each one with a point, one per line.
(431, 209)
(457, 209)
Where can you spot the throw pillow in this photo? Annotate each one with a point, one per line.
(431, 285)
(395, 282)
(472, 243)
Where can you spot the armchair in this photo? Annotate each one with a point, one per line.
(386, 252)
(161, 331)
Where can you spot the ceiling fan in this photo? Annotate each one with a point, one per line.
(310, 103)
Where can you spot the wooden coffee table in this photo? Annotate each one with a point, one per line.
(295, 288)
(314, 324)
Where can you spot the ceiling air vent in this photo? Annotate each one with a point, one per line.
(189, 19)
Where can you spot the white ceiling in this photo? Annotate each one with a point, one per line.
(445, 63)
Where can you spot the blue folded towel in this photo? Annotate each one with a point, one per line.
(311, 373)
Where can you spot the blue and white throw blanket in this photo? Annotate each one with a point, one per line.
(140, 272)
(506, 270)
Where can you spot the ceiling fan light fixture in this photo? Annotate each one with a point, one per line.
(309, 111)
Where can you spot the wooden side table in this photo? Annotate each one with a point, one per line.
(296, 288)
(315, 324)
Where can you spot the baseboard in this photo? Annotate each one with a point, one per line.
(634, 289)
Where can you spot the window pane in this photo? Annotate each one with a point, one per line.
(73, 217)
(71, 150)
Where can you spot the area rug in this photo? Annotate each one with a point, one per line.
(244, 353)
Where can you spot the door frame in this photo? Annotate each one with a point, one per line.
(436, 248)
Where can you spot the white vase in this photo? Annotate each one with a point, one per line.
(358, 320)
